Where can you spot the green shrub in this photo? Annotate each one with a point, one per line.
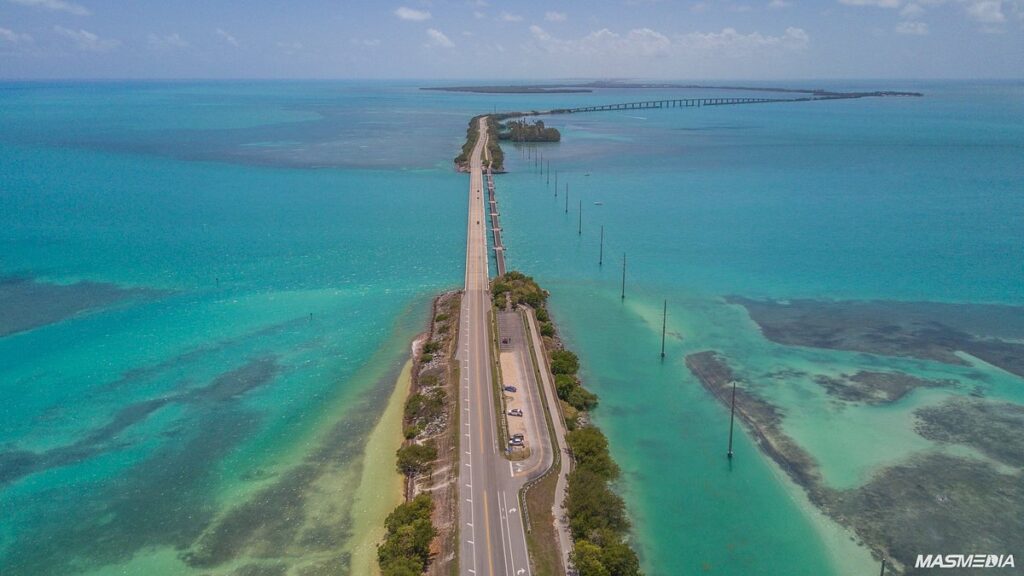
(547, 329)
(604, 553)
(592, 506)
(405, 550)
(590, 450)
(426, 358)
(431, 347)
(564, 383)
(534, 299)
(416, 459)
(564, 362)
(586, 557)
(582, 399)
(542, 315)
(424, 407)
(570, 414)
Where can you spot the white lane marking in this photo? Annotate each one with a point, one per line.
(506, 548)
(522, 532)
(508, 524)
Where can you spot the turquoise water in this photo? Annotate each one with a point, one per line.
(283, 241)
(311, 276)
(893, 199)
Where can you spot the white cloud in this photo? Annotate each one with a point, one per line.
(166, 42)
(479, 15)
(366, 43)
(732, 43)
(406, 13)
(506, 17)
(10, 36)
(555, 16)
(779, 4)
(55, 6)
(879, 3)
(653, 53)
(227, 36)
(912, 11)
(648, 43)
(438, 38)
(987, 12)
(912, 28)
(87, 41)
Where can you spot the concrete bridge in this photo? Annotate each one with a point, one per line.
(677, 103)
(492, 204)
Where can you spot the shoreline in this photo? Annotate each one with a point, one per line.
(419, 426)
(381, 487)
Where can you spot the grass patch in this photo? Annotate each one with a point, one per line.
(541, 538)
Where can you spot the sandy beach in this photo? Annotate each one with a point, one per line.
(380, 488)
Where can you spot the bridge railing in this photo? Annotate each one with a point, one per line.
(674, 103)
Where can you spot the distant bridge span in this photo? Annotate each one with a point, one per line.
(681, 103)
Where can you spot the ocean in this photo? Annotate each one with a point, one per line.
(211, 287)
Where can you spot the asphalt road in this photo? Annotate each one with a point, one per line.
(492, 536)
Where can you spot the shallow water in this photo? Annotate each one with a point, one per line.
(890, 199)
(224, 414)
(288, 237)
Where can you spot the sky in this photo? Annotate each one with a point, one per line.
(523, 39)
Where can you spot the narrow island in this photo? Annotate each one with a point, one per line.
(514, 130)
(595, 516)
(421, 533)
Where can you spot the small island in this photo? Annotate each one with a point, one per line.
(523, 131)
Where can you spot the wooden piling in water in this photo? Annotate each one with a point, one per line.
(732, 418)
(664, 323)
(623, 275)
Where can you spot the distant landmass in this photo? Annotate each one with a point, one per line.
(511, 89)
(603, 84)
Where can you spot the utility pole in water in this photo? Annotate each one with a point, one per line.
(664, 321)
(600, 257)
(732, 417)
(579, 229)
(623, 275)
(566, 197)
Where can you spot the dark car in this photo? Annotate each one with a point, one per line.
(510, 388)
